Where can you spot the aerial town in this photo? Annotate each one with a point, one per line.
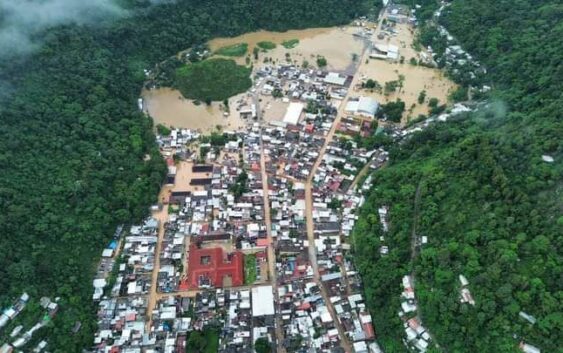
(249, 244)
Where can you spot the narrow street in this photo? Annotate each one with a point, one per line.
(162, 217)
(345, 343)
(271, 252)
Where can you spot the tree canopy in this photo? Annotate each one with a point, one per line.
(487, 201)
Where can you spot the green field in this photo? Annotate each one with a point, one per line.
(249, 269)
(212, 80)
(266, 45)
(238, 49)
(291, 43)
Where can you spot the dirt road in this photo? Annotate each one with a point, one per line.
(162, 217)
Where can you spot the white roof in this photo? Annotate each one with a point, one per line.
(262, 301)
(335, 79)
(367, 105)
(293, 113)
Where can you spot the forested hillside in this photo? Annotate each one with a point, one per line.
(72, 144)
(491, 207)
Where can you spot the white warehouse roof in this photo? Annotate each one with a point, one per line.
(262, 301)
(293, 113)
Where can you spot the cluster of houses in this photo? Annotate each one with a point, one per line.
(457, 61)
(416, 335)
(236, 317)
(18, 336)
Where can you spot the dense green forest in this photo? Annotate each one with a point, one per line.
(212, 79)
(478, 188)
(73, 146)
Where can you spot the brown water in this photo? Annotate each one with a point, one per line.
(336, 44)
(167, 106)
(417, 78)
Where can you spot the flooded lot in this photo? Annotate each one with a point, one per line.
(337, 45)
(167, 106)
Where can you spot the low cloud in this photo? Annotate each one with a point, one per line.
(22, 20)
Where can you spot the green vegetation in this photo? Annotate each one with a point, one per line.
(266, 45)
(321, 61)
(290, 44)
(392, 110)
(262, 345)
(206, 341)
(163, 130)
(421, 97)
(490, 206)
(391, 86)
(238, 49)
(371, 84)
(212, 79)
(250, 273)
(240, 186)
(72, 141)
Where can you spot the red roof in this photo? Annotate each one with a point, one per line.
(309, 128)
(368, 330)
(263, 242)
(212, 264)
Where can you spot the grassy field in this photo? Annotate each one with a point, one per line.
(291, 43)
(212, 80)
(239, 49)
(266, 45)
(249, 269)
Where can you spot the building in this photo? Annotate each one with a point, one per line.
(333, 78)
(385, 52)
(211, 267)
(263, 301)
(364, 106)
(293, 113)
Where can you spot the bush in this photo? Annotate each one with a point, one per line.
(239, 49)
(290, 44)
(321, 61)
(266, 45)
(163, 130)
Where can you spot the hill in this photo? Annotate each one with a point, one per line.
(481, 192)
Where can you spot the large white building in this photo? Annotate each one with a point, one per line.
(293, 113)
(364, 106)
(263, 301)
(385, 52)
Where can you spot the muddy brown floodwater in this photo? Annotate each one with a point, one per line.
(167, 106)
(337, 45)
